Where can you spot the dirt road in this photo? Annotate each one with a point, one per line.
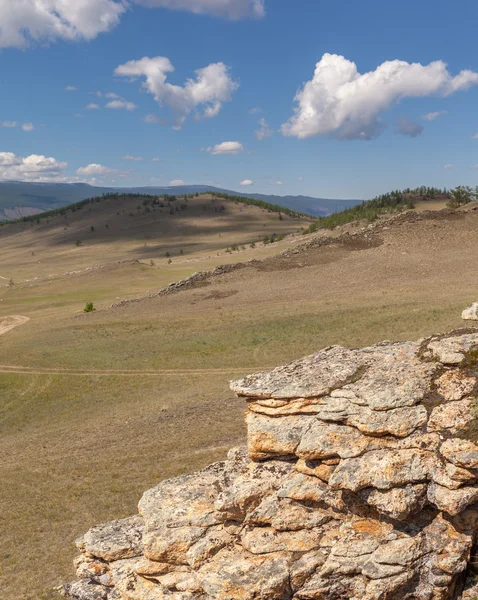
(10, 322)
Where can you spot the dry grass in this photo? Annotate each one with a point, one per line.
(78, 448)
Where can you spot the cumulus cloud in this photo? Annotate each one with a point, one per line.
(156, 159)
(121, 105)
(28, 126)
(433, 115)
(177, 182)
(211, 87)
(26, 21)
(96, 170)
(8, 124)
(255, 110)
(246, 182)
(474, 137)
(225, 148)
(71, 88)
(92, 106)
(409, 128)
(35, 167)
(342, 103)
(133, 158)
(264, 130)
(448, 166)
(229, 9)
(300, 179)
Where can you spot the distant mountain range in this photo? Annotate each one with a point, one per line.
(18, 199)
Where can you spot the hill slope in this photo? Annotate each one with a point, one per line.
(95, 408)
(124, 227)
(19, 198)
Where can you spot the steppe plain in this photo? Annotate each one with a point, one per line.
(96, 408)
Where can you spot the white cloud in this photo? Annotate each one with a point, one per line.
(300, 179)
(133, 158)
(256, 110)
(26, 21)
(111, 95)
(246, 182)
(96, 170)
(225, 148)
(8, 124)
(79, 116)
(264, 130)
(92, 106)
(210, 89)
(35, 167)
(156, 159)
(177, 182)
(28, 126)
(408, 128)
(121, 105)
(474, 166)
(474, 137)
(340, 102)
(277, 182)
(71, 88)
(433, 115)
(154, 119)
(448, 166)
(230, 9)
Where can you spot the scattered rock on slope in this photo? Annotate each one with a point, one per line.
(360, 480)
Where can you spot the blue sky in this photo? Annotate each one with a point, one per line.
(227, 114)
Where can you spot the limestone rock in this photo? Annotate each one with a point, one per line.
(461, 453)
(451, 350)
(470, 313)
(360, 481)
(115, 540)
(455, 385)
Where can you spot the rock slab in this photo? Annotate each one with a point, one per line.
(359, 481)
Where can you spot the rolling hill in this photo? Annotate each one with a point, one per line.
(18, 198)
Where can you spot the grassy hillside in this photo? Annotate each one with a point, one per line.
(130, 227)
(37, 197)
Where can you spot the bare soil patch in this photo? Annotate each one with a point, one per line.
(10, 322)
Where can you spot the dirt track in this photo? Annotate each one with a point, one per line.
(127, 372)
(10, 322)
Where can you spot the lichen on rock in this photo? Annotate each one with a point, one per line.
(360, 480)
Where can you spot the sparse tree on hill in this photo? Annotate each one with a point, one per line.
(89, 307)
(462, 194)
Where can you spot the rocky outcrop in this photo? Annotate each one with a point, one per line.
(360, 480)
(470, 313)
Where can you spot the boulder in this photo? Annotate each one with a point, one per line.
(470, 313)
(360, 480)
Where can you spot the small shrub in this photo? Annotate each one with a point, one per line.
(89, 307)
(79, 243)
